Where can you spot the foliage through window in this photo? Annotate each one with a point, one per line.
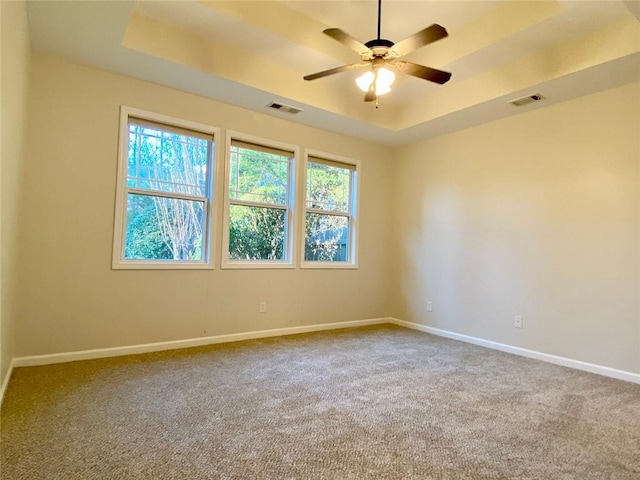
(165, 217)
(259, 198)
(329, 219)
(167, 192)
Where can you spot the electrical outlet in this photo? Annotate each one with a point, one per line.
(518, 321)
(429, 306)
(263, 307)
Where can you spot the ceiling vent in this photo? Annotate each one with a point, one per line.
(518, 102)
(284, 108)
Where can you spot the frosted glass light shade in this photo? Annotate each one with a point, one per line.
(364, 81)
(383, 83)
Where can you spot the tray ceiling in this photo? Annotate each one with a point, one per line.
(252, 53)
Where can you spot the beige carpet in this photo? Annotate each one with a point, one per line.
(380, 402)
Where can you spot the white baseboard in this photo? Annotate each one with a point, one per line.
(545, 357)
(191, 342)
(236, 337)
(5, 382)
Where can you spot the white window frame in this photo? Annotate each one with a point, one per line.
(353, 214)
(122, 190)
(290, 224)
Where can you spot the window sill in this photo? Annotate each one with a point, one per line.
(142, 265)
(256, 265)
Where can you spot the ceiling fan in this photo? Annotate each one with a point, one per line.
(383, 56)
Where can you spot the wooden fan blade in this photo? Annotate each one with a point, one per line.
(347, 40)
(420, 71)
(331, 71)
(423, 37)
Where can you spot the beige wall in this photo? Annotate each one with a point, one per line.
(538, 215)
(71, 299)
(15, 58)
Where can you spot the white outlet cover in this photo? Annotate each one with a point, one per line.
(429, 306)
(518, 321)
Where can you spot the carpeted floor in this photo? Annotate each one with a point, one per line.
(377, 402)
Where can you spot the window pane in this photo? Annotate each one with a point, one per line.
(160, 228)
(257, 176)
(167, 161)
(256, 233)
(327, 238)
(328, 187)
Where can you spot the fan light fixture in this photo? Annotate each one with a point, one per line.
(383, 56)
(383, 78)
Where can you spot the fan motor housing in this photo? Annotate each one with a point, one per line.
(379, 42)
(379, 48)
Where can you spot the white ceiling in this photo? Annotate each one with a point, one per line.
(250, 53)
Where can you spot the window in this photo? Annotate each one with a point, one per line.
(163, 211)
(330, 223)
(259, 208)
